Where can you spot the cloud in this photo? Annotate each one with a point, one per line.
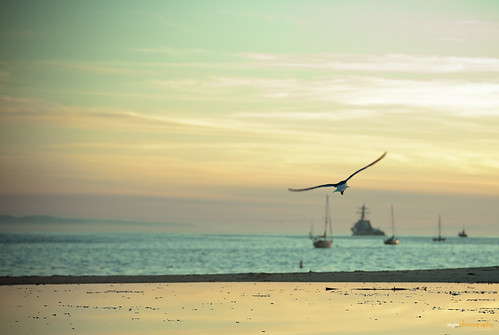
(98, 67)
(332, 115)
(259, 56)
(360, 82)
(376, 63)
(34, 111)
(466, 98)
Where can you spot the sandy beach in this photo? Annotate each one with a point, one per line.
(453, 301)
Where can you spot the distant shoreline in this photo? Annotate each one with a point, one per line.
(456, 275)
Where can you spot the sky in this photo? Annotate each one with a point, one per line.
(203, 113)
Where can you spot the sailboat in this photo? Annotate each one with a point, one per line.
(439, 238)
(323, 241)
(462, 234)
(311, 232)
(392, 240)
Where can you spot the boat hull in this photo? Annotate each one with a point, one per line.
(374, 232)
(323, 243)
(391, 241)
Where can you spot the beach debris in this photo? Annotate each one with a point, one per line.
(382, 289)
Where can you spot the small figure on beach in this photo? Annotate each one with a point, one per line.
(342, 185)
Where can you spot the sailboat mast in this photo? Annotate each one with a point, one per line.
(329, 218)
(393, 224)
(326, 216)
(439, 228)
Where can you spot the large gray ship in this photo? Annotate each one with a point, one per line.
(363, 226)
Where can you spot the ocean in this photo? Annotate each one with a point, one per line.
(46, 254)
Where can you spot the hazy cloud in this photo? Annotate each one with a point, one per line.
(376, 63)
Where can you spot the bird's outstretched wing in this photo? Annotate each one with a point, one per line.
(341, 182)
(365, 167)
(311, 188)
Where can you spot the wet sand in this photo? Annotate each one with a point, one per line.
(250, 308)
(242, 305)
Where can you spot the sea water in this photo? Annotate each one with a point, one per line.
(45, 254)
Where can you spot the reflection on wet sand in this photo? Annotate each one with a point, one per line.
(227, 308)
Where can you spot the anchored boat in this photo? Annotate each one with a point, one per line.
(363, 226)
(323, 241)
(392, 240)
(439, 238)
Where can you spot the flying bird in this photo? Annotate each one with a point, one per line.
(342, 185)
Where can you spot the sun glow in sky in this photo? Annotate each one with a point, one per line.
(205, 112)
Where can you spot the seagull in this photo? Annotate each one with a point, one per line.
(342, 185)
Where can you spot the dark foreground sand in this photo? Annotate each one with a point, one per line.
(459, 275)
